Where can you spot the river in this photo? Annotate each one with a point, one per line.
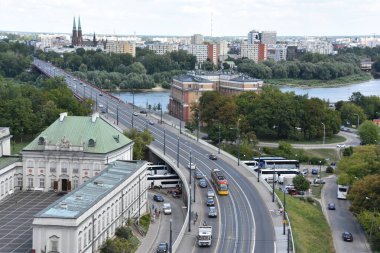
(334, 94)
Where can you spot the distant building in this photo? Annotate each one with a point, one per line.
(120, 47)
(71, 151)
(253, 37)
(77, 37)
(277, 52)
(188, 89)
(212, 53)
(268, 37)
(84, 219)
(222, 49)
(256, 52)
(163, 48)
(200, 51)
(197, 39)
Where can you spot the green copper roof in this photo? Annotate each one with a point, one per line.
(8, 160)
(77, 131)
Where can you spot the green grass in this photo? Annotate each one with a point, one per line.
(316, 82)
(145, 222)
(17, 147)
(316, 190)
(322, 153)
(310, 229)
(334, 139)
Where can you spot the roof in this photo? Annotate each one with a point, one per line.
(245, 79)
(77, 131)
(8, 160)
(74, 204)
(190, 78)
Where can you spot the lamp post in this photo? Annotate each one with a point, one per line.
(190, 208)
(117, 114)
(259, 167)
(84, 91)
(320, 167)
(219, 140)
(161, 113)
(190, 166)
(324, 132)
(238, 132)
(133, 98)
(178, 153)
(164, 141)
(199, 126)
(195, 172)
(284, 216)
(181, 113)
(170, 236)
(274, 175)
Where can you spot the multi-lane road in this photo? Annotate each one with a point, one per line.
(244, 223)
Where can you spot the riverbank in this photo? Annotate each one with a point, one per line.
(315, 83)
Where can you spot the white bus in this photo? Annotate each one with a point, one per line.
(342, 191)
(164, 181)
(281, 164)
(251, 164)
(280, 174)
(158, 169)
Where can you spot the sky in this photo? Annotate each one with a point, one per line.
(188, 17)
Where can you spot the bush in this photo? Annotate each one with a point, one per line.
(124, 232)
(316, 160)
(329, 169)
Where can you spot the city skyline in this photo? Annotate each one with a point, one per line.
(170, 18)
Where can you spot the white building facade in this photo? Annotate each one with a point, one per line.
(163, 48)
(71, 151)
(83, 220)
(200, 51)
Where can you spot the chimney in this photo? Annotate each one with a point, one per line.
(62, 116)
(94, 117)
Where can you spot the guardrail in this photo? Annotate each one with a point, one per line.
(187, 189)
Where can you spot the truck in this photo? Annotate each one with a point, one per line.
(204, 236)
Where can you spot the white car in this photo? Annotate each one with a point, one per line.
(167, 208)
(340, 145)
(191, 166)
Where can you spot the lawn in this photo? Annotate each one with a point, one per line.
(310, 229)
(333, 139)
(322, 153)
(17, 147)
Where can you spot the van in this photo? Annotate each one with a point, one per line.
(167, 208)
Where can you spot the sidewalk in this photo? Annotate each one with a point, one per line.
(147, 242)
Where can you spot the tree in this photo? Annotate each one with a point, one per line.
(301, 183)
(369, 132)
(136, 67)
(365, 194)
(142, 140)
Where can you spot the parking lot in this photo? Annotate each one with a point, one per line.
(16, 217)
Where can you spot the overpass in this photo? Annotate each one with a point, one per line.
(245, 223)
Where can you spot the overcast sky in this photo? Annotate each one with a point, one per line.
(187, 17)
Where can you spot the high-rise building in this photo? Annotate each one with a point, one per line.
(253, 37)
(256, 51)
(197, 39)
(212, 53)
(163, 48)
(268, 37)
(277, 52)
(200, 51)
(120, 47)
(223, 48)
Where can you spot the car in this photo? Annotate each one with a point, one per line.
(210, 193)
(340, 145)
(202, 183)
(305, 171)
(347, 237)
(135, 114)
(191, 166)
(210, 201)
(163, 247)
(212, 212)
(176, 194)
(314, 171)
(213, 157)
(143, 112)
(101, 94)
(151, 122)
(167, 208)
(158, 198)
(331, 206)
(198, 175)
(318, 181)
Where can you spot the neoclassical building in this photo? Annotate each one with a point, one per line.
(83, 219)
(71, 151)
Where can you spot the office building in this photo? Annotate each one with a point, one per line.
(256, 51)
(268, 37)
(253, 37)
(212, 53)
(277, 52)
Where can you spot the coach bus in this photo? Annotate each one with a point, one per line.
(279, 174)
(342, 191)
(219, 181)
(164, 181)
(281, 164)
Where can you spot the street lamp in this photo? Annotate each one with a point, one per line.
(274, 178)
(178, 153)
(219, 140)
(164, 141)
(259, 167)
(320, 167)
(190, 165)
(324, 132)
(190, 208)
(199, 126)
(238, 131)
(195, 172)
(84, 91)
(284, 216)
(170, 237)
(117, 114)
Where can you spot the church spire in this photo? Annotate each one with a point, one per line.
(79, 27)
(74, 37)
(74, 25)
(80, 38)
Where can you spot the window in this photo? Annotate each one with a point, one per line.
(30, 164)
(64, 167)
(30, 182)
(54, 245)
(89, 235)
(79, 244)
(42, 182)
(19, 181)
(52, 183)
(41, 164)
(76, 183)
(85, 239)
(91, 143)
(2, 189)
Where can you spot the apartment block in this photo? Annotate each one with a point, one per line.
(212, 53)
(200, 51)
(120, 47)
(163, 48)
(197, 39)
(268, 37)
(277, 52)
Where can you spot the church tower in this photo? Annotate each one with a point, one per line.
(74, 37)
(94, 42)
(80, 38)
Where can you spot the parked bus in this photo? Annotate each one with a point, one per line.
(281, 164)
(158, 169)
(342, 191)
(219, 181)
(164, 181)
(251, 164)
(279, 174)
